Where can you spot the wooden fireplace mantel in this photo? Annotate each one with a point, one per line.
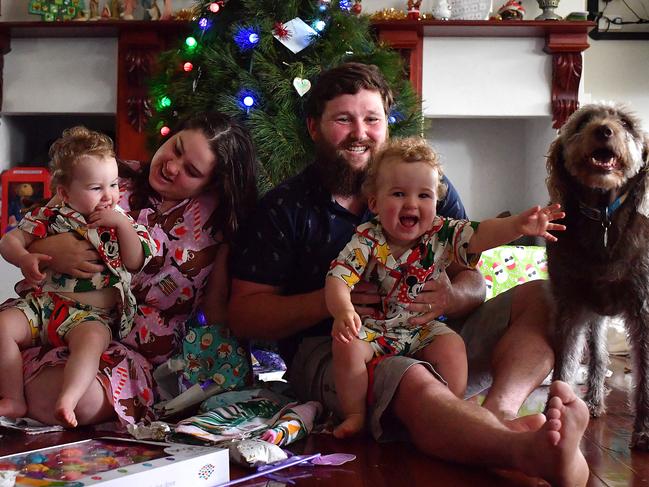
(564, 41)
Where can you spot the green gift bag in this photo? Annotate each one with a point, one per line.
(213, 355)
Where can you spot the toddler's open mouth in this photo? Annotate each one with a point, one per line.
(408, 221)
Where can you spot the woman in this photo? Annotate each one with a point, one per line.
(192, 197)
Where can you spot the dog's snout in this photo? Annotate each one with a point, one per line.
(604, 132)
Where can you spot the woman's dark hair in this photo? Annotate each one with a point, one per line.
(235, 174)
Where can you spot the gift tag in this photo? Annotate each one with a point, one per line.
(302, 86)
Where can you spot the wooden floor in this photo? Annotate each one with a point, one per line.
(605, 446)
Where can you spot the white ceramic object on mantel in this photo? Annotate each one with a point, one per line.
(441, 9)
(470, 9)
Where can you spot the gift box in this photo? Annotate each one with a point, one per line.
(118, 462)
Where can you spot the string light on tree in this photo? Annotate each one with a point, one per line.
(203, 23)
(246, 38)
(164, 102)
(187, 67)
(214, 7)
(247, 99)
(319, 25)
(164, 130)
(191, 43)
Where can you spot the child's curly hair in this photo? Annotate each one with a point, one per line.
(75, 143)
(406, 149)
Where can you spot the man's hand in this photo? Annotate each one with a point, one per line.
(70, 255)
(432, 301)
(365, 297)
(346, 326)
(107, 217)
(30, 266)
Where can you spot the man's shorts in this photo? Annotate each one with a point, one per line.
(311, 372)
(51, 316)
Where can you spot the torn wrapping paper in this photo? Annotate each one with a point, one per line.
(29, 426)
(252, 453)
(295, 423)
(157, 430)
(251, 418)
(8, 478)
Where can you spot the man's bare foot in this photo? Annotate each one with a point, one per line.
(531, 422)
(64, 412)
(13, 408)
(352, 425)
(553, 451)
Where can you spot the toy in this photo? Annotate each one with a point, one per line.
(119, 462)
(413, 9)
(512, 10)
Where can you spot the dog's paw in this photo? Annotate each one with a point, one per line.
(596, 408)
(640, 440)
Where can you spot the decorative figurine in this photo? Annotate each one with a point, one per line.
(94, 10)
(167, 11)
(441, 9)
(512, 10)
(413, 9)
(129, 7)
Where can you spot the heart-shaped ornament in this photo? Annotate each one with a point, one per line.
(302, 86)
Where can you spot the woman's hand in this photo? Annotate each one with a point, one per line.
(346, 326)
(69, 255)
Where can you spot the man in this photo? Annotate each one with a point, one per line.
(279, 271)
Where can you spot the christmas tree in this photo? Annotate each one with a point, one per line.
(255, 59)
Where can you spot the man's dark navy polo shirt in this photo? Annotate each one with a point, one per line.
(295, 233)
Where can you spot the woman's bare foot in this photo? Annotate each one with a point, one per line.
(64, 412)
(352, 425)
(553, 451)
(13, 408)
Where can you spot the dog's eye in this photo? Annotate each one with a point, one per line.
(625, 123)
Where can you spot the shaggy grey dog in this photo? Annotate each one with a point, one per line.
(599, 267)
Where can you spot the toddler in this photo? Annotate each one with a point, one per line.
(404, 246)
(82, 313)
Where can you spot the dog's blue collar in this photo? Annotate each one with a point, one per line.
(605, 214)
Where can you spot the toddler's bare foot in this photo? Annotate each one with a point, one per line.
(64, 412)
(351, 426)
(13, 408)
(553, 451)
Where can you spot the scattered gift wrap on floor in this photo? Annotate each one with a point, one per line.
(250, 413)
(507, 266)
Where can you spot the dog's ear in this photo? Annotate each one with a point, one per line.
(556, 183)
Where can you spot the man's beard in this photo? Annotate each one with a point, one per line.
(337, 176)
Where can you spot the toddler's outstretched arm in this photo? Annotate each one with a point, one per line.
(347, 323)
(535, 221)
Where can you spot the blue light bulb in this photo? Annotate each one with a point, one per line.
(248, 101)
